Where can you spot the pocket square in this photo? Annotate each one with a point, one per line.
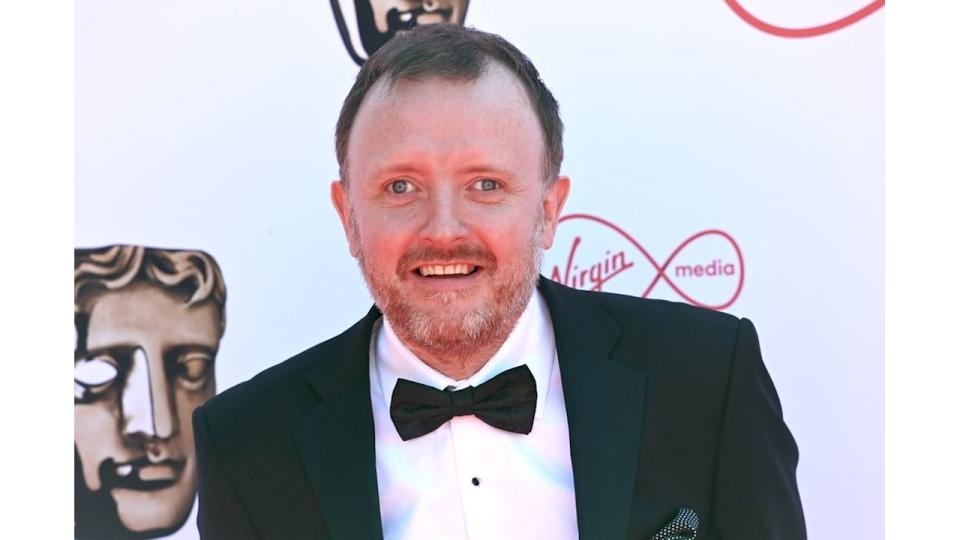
(682, 527)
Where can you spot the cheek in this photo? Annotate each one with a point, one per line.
(97, 437)
(187, 402)
(386, 237)
(511, 248)
(510, 232)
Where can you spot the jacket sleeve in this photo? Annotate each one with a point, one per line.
(221, 513)
(755, 489)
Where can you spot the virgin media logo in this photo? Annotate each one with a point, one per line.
(706, 269)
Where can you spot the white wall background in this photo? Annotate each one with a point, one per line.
(209, 125)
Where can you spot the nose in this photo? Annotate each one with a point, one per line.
(445, 224)
(147, 408)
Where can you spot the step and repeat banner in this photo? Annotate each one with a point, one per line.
(723, 153)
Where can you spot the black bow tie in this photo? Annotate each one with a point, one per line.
(506, 402)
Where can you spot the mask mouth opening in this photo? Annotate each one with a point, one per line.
(141, 474)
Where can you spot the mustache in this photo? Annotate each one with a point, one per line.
(413, 258)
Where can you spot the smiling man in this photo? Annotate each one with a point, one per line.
(478, 399)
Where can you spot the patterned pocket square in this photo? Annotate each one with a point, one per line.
(682, 527)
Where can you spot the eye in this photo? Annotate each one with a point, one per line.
(93, 376)
(400, 186)
(192, 369)
(485, 184)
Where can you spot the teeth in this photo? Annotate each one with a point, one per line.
(446, 270)
(125, 470)
(405, 17)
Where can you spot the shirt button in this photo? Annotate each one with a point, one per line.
(475, 481)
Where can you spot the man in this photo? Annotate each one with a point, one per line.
(476, 400)
(148, 322)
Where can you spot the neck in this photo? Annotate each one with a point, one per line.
(459, 365)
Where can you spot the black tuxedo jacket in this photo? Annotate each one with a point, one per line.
(668, 406)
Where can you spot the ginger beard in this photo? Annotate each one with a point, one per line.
(453, 338)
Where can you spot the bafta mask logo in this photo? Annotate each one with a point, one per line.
(365, 25)
(149, 322)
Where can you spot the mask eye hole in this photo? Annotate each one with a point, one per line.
(93, 376)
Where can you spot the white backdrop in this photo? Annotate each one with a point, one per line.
(209, 125)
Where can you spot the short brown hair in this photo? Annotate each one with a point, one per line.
(454, 52)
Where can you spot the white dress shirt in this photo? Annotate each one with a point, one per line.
(468, 479)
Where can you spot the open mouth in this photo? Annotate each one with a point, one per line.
(446, 270)
(141, 474)
(407, 17)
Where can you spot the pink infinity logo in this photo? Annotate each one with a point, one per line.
(613, 264)
(811, 31)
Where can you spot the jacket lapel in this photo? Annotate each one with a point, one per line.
(336, 436)
(604, 400)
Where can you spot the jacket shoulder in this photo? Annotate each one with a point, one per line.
(284, 388)
(661, 317)
(672, 320)
(265, 388)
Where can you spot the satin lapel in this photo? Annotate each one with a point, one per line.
(336, 437)
(604, 400)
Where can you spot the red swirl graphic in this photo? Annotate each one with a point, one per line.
(661, 269)
(803, 32)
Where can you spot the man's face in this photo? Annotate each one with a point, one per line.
(148, 364)
(447, 177)
(393, 15)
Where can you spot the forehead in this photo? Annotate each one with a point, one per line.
(145, 312)
(492, 114)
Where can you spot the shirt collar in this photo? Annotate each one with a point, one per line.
(531, 342)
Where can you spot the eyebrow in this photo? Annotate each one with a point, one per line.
(484, 168)
(178, 348)
(397, 168)
(413, 168)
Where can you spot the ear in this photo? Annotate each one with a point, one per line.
(341, 202)
(553, 201)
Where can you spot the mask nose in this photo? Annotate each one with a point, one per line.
(146, 402)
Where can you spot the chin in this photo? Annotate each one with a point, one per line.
(153, 514)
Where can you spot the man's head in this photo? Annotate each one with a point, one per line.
(380, 20)
(458, 54)
(449, 148)
(148, 323)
